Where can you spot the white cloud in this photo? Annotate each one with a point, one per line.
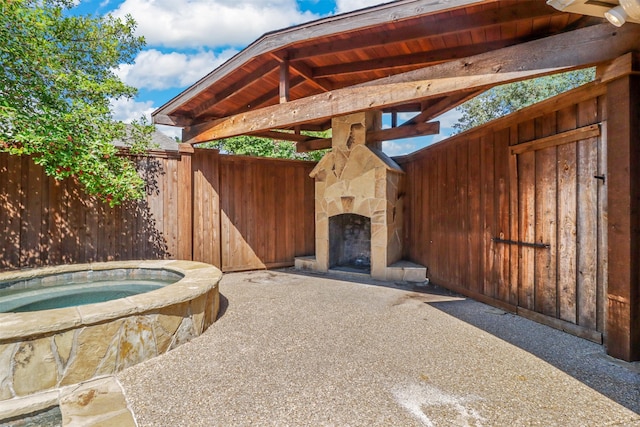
(155, 70)
(171, 131)
(448, 119)
(349, 5)
(210, 23)
(127, 110)
(398, 148)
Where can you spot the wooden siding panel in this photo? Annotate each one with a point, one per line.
(471, 185)
(567, 206)
(587, 280)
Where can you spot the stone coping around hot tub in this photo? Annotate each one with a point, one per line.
(196, 281)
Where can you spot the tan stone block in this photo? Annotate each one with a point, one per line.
(211, 310)
(92, 345)
(415, 274)
(334, 207)
(363, 207)
(378, 256)
(6, 354)
(347, 204)
(323, 165)
(34, 367)
(64, 344)
(336, 190)
(96, 403)
(394, 249)
(184, 333)
(322, 254)
(394, 274)
(378, 234)
(107, 366)
(359, 162)
(137, 343)
(379, 217)
(361, 187)
(198, 311)
(322, 228)
(340, 161)
(380, 189)
(37, 323)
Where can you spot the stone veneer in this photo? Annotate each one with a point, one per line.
(356, 177)
(53, 348)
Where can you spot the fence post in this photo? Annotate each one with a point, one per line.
(185, 203)
(623, 182)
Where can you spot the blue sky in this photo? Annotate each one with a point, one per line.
(186, 39)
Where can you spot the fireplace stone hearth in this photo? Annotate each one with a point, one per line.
(358, 199)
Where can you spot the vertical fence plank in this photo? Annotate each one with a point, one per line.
(587, 220)
(488, 215)
(546, 198)
(526, 217)
(503, 225)
(567, 219)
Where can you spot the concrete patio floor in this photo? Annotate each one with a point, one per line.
(291, 349)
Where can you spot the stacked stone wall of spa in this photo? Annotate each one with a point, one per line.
(91, 342)
(357, 178)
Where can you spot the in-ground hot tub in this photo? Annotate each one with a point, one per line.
(47, 349)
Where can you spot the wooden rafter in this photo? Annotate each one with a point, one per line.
(580, 48)
(420, 129)
(440, 106)
(302, 70)
(235, 87)
(284, 82)
(413, 59)
(521, 10)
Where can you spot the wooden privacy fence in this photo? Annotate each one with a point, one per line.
(234, 212)
(514, 213)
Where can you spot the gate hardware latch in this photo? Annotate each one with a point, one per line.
(527, 244)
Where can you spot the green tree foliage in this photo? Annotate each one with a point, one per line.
(247, 145)
(502, 100)
(56, 84)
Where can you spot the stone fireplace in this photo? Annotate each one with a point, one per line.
(358, 193)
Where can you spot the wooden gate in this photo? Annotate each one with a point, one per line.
(562, 228)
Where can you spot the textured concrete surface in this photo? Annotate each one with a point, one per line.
(294, 349)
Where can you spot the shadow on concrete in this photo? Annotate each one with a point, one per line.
(584, 360)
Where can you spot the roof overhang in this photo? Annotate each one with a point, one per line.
(423, 56)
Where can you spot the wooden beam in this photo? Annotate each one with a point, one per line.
(625, 65)
(306, 72)
(585, 132)
(580, 48)
(516, 11)
(302, 70)
(284, 81)
(272, 95)
(420, 129)
(283, 136)
(413, 59)
(440, 106)
(623, 234)
(235, 87)
(572, 50)
(313, 145)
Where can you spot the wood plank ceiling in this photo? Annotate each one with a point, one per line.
(362, 46)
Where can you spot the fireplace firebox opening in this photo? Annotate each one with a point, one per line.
(350, 242)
